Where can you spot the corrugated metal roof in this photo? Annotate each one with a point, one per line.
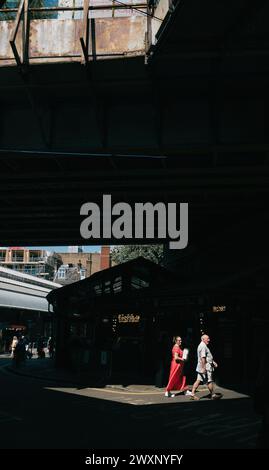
(22, 301)
(27, 277)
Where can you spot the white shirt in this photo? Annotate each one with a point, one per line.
(203, 351)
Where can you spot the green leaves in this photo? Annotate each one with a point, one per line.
(123, 253)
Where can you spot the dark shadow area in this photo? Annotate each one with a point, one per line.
(37, 414)
(46, 370)
(184, 124)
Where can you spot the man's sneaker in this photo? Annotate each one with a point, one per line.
(169, 394)
(216, 396)
(194, 397)
(188, 392)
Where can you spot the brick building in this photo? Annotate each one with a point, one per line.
(78, 266)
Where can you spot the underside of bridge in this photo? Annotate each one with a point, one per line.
(184, 122)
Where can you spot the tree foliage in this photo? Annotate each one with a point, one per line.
(8, 4)
(32, 4)
(123, 253)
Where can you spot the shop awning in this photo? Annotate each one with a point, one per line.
(16, 327)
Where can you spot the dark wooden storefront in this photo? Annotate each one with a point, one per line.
(111, 323)
(121, 322)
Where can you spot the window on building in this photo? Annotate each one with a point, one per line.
(17, 256)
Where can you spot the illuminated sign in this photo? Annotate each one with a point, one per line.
(219, 308)
(128, 318)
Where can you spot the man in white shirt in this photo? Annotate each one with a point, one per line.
(204, 369)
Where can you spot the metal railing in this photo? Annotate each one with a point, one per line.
(16, 259)
(24, 13)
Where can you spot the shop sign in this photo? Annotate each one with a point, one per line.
(219, 308)
(130, 318)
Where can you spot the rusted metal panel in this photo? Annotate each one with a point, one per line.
(121, 35)
(50, 40)
(6, 54)
(54, 38)
(6, 28)
(62, 37)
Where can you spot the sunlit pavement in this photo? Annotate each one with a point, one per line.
(45, 411)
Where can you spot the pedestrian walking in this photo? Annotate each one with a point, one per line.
(205, 368)
(13, 345)
(51, 347)
(176, 380)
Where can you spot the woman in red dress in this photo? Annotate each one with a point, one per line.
(176, 380)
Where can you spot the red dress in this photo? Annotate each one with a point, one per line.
(177, 380)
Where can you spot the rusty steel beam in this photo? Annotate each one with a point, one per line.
(148, 39)
(93, 7)
(84, 40)
(15, 52)
(93, 38)
(17, 21)
(14, 33)
(26, 24)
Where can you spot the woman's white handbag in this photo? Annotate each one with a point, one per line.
(185, 354)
